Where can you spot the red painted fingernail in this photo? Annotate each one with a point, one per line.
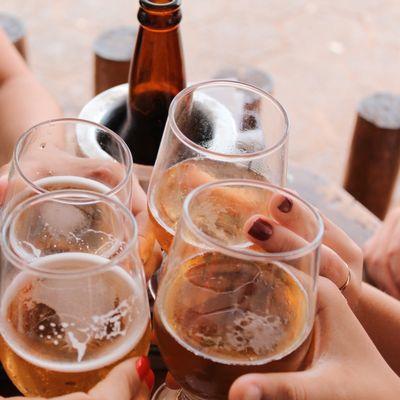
(286, 205)
(261, 230)
(142, 367)
(150, 380)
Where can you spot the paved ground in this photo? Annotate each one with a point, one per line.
(324, 55)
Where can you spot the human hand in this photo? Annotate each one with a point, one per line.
(382, 255)
(345, 363)
(131, 380)
(287, 229)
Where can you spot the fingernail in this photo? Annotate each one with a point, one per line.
(286, 205)
(253, 393)
(261, 230)
(150, 380)
(142, 367)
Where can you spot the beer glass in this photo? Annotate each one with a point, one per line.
(73, 299)
(69, 153)
(225, 308)
(215, 130)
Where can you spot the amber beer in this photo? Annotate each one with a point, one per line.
(56, 339)
(219, 318)
(170, 190)
(156, 76)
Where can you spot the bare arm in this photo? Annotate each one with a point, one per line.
(23, 101)
(379, 314)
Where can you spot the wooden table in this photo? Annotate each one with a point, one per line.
(334, 202)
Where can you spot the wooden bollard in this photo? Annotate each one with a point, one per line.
(374, 159)
(252, 76)
(15, 30)
(113, 52)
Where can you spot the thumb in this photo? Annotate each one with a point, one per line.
(125, 382)
(280, 386)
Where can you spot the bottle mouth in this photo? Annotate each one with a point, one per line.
(160, 4)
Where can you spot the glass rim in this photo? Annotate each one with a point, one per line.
(62, 195)
(226, 82)
(21, 141)
(242, 252)
(159, 6)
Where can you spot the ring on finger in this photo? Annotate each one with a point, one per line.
(348, 280)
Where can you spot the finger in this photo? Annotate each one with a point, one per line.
(336, 270)
(171, 382)
(125, 381)
(289, 212)
(393, 254)
(154, 262)
(275, 238)
(271, 236)
(139, 200)
(374, 256)
(110, 173)
(381, 263)
(191, 176)
(376, 247)
(284, 386)
(3, 188)
(145, 235)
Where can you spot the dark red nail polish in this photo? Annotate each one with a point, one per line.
(286, 205)
(261, 230)
(150, 378)
(142, 367)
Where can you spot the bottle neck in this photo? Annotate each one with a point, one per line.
(159, 15)
(157, 62)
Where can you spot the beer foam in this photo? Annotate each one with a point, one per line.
(74, 182)
(261, 333)
(75, 328)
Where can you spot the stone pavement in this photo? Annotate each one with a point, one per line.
(324, 55)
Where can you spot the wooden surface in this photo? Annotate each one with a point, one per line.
(112, 53)
(334, 202)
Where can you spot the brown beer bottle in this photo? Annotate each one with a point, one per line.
(156, 75)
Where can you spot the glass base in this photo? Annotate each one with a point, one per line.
(165, 393)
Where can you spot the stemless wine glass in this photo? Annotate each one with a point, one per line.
(55, 155)
(73, 293)
(215, 130)
(222, 309)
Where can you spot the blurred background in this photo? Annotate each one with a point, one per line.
(324, 56)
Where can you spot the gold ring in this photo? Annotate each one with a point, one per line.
(348, 279)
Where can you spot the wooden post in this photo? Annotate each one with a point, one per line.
(252, 76)
(15, 30)
(113, 52)
(374, 159)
